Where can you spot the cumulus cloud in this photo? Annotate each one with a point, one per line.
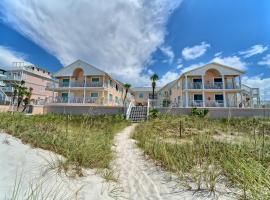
(254, 50)
(190, 53)
(117, 36)
(232, 61)
(167, 77)
(259, 82)
(8, 56)
(167, 50)
(265, 60)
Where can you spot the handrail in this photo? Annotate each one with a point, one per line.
(129, 110)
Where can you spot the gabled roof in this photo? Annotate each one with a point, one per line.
(215, 63)
(144, 89)
(87, 68)
(170, 84)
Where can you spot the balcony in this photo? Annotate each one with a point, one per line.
(76, 84)
(12, 78)
(218, 85)
(8, 89)
(214, 103)
(195, 86)
(195, 103)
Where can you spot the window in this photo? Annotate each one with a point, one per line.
(95, 79)
(116, 87)
(218, 80)
(141, 95)
(110, 97)
(198, 97)
(65, 82)
(197, 80)
(116, 99)
(111, 83)
(219, 97)
(94, 94)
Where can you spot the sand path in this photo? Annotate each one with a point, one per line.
(141, 179)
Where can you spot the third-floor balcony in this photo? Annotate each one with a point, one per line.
(77, 84)
(212, 86)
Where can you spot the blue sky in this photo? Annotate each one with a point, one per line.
(133, 39)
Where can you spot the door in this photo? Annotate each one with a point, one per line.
(64, 97)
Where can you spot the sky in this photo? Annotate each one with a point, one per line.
(132, 39)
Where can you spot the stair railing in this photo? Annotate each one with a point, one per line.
(129, 110)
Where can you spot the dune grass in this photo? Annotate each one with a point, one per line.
(202, 151)
(84, 141)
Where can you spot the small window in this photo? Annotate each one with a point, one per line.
(111, 83)
(110, 97)
(94, 94)
(141, 95)
(95, 80)
(218, 80)
(197, 80)
(198, 97)
(116, 87)
(219, 97)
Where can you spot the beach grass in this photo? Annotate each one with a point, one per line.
(84, 141)
(202, 151)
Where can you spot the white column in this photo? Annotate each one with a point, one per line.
(241, 96)
(69, 96)
(224, 99)
(186, 87)
(223, 82)
(203, 93)
(84, 88)
(69, 89)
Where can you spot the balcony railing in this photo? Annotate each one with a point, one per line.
(214, 86)
(195, 86)
(196, 103)
(232, 86)
(78, 84)
(214, 103)
(8, 89)
(12, 78)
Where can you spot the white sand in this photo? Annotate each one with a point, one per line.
(142, 179)
(21, 162)
(139, 178)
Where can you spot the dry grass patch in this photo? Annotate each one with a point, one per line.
(84, 141)
(236, 151)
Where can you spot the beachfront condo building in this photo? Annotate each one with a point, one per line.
(82, 83)
(212, 85)
(33, 76)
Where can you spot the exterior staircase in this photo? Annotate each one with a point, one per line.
(138, 113)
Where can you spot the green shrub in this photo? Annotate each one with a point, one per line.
(153, 113)
(199, 112)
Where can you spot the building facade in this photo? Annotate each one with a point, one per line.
(33, 76)
(212, 85)
(82, 83)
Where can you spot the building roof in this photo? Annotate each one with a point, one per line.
(214, 63)
(144, 89)
(170, 84)
(87, 68)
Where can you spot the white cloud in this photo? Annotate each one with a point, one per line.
(8, 56)
(179, 63)
(254, 50)
(196, 51)
(218, 54)
(259, 82)
(167, 77)
(232, 61)
(117, 36)
(167, 50)
(265, 60)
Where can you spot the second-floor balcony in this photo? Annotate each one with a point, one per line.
(211, 86)
(75, 84)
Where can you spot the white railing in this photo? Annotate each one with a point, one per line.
(129, 110)
(214, 103)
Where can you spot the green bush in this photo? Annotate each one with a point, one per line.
(153, 113)
(199, 112)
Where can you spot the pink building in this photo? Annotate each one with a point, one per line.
(34, 77)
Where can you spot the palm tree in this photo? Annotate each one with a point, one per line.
(27, 98)
(154, 78)
(127, 86)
